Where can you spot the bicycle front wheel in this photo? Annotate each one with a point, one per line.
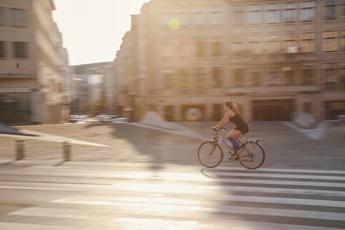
(210, 154)
(252, 155)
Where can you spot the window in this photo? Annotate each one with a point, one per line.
(289, 77)
(2, 49)
(200, 49)
(164, 19)
(216, 77)
(273, 44)
(255, 44)
(290, 43)
(272, 78)
(329, 41)
(307, 78)
(199, 19)
(168, 81)
(18, 17)
(272, 13)
(256, 78)
(254, 14)
(216, 49)
(290, 12)
(183, 18)
(239, 45)
(329, 9)
(331, 79)
(167, 50)
(307, 43)
(215, 18)
(238, 15)
(200, 78)
(341, 78)
(20, 49)
(183, 49)
(2, 16)
(184, 78)
(307, 11)
(342, 40)
(238, 77)
(307, 107)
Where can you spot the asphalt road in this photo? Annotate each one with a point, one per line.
(149, 178)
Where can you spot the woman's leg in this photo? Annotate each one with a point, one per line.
(234, 136)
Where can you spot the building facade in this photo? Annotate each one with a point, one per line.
(33, 64)
(183, 59)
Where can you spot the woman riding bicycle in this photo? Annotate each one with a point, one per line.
(233, 115)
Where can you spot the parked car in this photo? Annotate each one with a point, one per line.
(77, 118)
(106, 118)
(120, 120)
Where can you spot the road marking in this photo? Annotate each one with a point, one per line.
(172, 206)
(160, 187)
(22, 226)
(40, 188)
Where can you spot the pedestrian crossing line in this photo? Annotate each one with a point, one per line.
(195, 177)
(224, 198)
(234, 224)
(147, 165)
(281, 176)
(189, 168)
(198, 189)
(190, 177)
(40, 188)
(140, 220)
(178, 207)
(263, 169)
(173, 173)
(50, 186)
(257, 182)
(25, 226)
(56, 212)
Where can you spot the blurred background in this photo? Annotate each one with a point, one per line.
(179, 59)
(108, 62)
(103, 104)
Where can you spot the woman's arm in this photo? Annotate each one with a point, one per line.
(223, 122)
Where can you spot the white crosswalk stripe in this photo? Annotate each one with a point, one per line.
(138, 196)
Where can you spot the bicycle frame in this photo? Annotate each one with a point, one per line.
(219, 139)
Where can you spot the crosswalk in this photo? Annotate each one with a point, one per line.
(82, 195)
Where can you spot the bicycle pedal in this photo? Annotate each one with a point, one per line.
(234, 157)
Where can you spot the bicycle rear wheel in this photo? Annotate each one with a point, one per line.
(210, 154)
(252, 155)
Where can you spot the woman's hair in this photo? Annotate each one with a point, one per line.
(231, 105)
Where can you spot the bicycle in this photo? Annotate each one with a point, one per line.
(251, 154)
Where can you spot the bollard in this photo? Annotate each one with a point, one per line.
(20, 150)
(67, 151)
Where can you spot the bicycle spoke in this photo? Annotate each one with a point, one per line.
(252, 155)
(210, 154)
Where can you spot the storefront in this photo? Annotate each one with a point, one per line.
(15, 108)
(334, 109)
(273, 110)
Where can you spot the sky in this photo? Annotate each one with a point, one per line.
(92, 29)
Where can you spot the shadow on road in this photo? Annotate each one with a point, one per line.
(160, 147)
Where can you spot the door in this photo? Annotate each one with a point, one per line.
(272, 110)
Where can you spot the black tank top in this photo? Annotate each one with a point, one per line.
(238, 120)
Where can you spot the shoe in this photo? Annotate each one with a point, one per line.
(234, 157)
